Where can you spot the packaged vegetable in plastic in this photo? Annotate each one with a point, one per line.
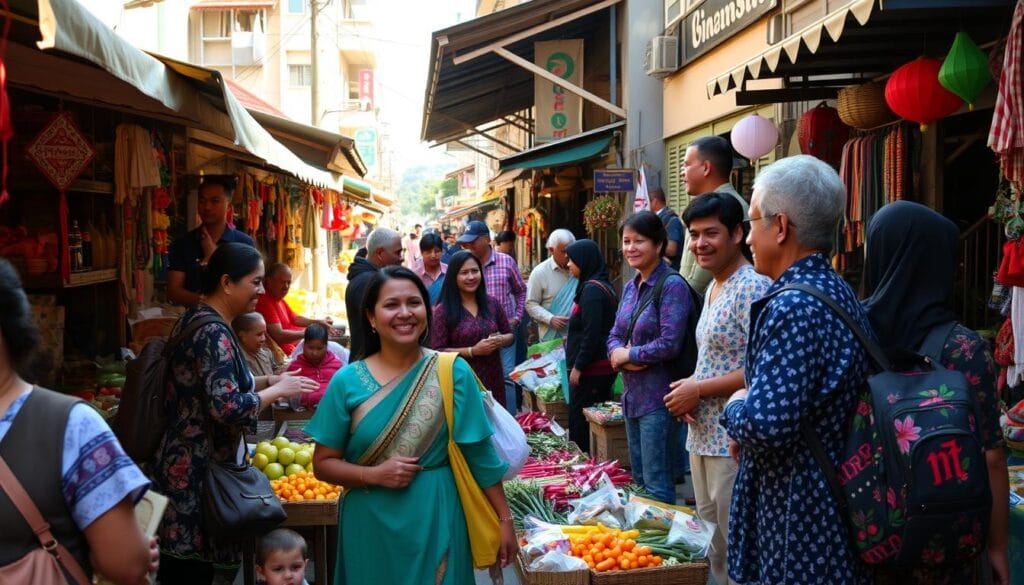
(542, 538)
(691, 531)
(643, 513)
(601, 506)
(557, 562)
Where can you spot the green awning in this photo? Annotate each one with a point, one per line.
(357, 189)
(567, 151)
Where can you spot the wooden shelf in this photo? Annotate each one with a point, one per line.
(91, 277)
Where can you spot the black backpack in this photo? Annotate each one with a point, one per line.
(684, 363)
(142, 415)
(913, 484)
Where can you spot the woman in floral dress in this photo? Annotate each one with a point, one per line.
(211, 399)
(471, 323)
(909, 273)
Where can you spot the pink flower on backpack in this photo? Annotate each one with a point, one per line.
(906, 433)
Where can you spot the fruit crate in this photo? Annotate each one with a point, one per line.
(315, 513)
(682, 574)
(282, 415)
(528, 577)
(608, 440)
(557, 410)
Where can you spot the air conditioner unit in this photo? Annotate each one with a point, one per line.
(662, 56)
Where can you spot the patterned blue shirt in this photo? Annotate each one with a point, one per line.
(658, 335)
(803, 363)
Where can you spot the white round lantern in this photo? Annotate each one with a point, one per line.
(754, 137)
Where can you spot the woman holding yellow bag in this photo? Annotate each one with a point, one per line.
(424, 500)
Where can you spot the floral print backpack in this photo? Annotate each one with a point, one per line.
(912, 484)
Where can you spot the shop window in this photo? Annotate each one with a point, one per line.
(216, 25)
(300, 75)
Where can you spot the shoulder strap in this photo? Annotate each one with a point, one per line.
(187, 332)
(446, 376)
(607, 291)
(21, 500)
(869, 344)
(653, 297)
(935, 342)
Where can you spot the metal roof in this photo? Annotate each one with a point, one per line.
(461, 97)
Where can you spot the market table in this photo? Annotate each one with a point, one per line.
(316, 522)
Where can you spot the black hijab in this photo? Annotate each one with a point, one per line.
(908, 273)
(587, 256)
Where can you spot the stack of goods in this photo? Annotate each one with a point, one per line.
(605, 412)
(623, 535)
(289, 467)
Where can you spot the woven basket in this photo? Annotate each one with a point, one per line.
(528, 577)
(682, 574)
(264, 432)
(863, 106)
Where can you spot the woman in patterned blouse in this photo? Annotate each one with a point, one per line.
(212, 398)
(909, 273)
(472, 323)
(647, 332)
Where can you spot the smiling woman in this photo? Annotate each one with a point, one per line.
(381, 433)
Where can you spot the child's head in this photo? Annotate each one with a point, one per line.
(281, 557)
(314, 343)
(251, 330)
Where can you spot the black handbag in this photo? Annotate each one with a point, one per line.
(239, 501)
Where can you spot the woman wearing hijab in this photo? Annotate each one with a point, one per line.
(908, 281)
(591, 318)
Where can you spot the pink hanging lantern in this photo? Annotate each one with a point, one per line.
(754, 136)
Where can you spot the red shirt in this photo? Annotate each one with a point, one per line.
(279, 312)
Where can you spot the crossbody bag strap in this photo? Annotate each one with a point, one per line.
(810, 435)
(21, 500)
(187, 331)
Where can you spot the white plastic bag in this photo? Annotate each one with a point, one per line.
(508, 439)
(692, 531)
(602, 506)
(557, 562)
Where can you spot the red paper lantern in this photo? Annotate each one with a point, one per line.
(822, 134)
(914, 93)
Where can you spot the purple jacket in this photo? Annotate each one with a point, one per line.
(658, 335)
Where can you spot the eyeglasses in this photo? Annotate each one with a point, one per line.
(771, 216)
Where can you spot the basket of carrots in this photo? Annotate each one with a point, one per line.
(634, 557)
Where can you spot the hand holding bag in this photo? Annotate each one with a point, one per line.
(481, 520)
(45, 565)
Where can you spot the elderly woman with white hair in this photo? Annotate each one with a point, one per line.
(804, 367)
(551, 288)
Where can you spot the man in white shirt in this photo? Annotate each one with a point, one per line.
(551, 288)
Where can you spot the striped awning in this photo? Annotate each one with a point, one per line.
(806, 41)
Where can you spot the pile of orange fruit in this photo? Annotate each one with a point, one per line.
(304, 487)
(610, 552)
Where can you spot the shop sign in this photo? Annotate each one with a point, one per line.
(559, 112)
(61, 151)
(714, 21)
(366, 145)
(366, 89)
(614, 180)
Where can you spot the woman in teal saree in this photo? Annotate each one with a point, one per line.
(380, 433)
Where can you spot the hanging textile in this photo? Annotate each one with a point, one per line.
(1006, 135)
(136, 165)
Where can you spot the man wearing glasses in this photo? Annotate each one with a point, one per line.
(804, 366)
(706, 168)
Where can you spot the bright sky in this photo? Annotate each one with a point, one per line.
(403, 61)
(403, 53)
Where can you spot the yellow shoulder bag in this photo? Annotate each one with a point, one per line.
(481, 520)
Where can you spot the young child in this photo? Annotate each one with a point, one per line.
(251, 330)
(281, 558)
(316, 362)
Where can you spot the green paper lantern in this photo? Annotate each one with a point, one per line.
(965, 70)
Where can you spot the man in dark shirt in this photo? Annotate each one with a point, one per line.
(190, 253)
(673, 225)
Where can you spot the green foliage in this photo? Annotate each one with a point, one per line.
(418, 190)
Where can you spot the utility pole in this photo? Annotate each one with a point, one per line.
(314, 16)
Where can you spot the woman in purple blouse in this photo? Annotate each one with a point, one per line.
(638, 351)
(468, 321)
